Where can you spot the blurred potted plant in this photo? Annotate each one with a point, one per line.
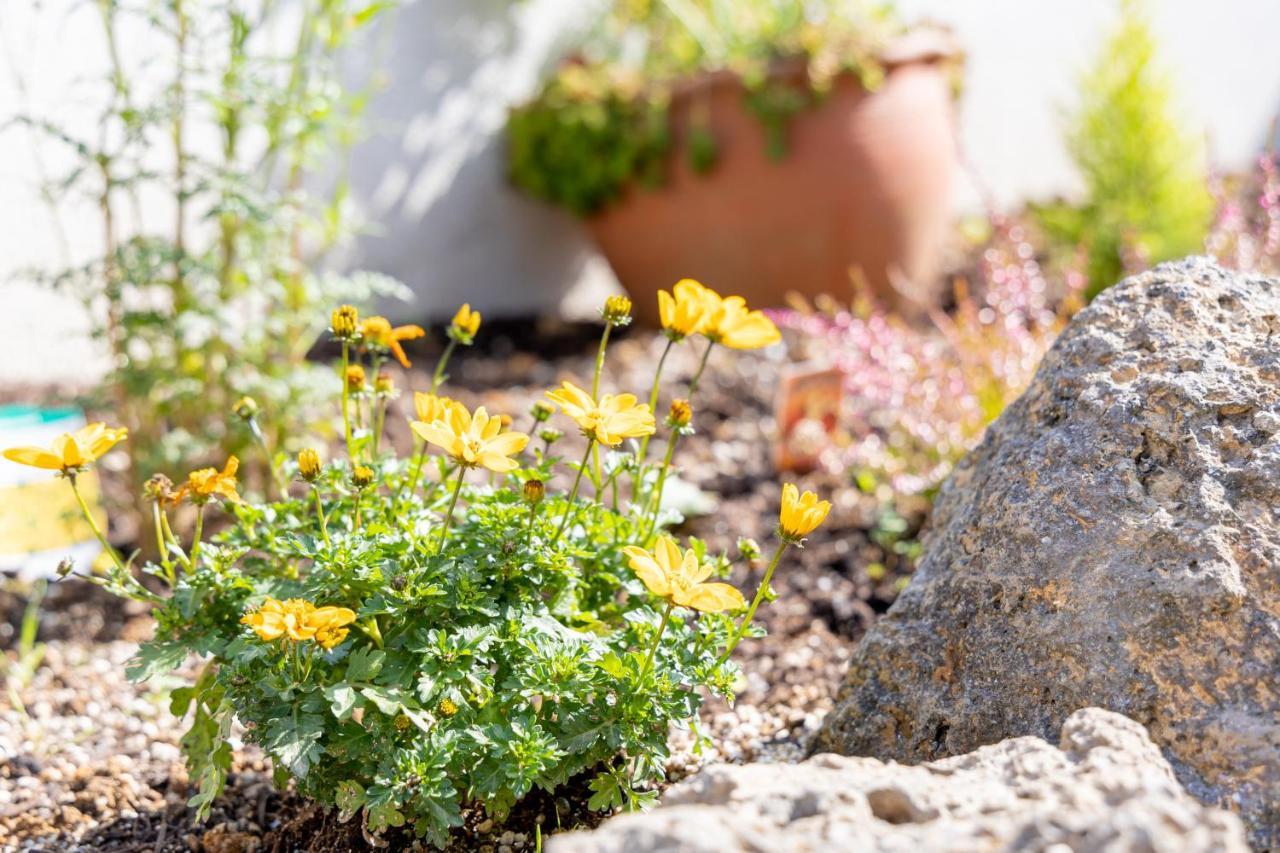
(772, 145)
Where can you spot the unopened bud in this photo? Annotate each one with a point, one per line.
(551, 435)
(362, 477)
(534, 491)
(355, 378)
(447, 707)
(309, 464)
(681, 413)
(616, 310)
(246, 408)
(65, 567)
(344, 322)
(541, 411)
(384, 383)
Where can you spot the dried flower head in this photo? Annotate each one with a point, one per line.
(158, 488)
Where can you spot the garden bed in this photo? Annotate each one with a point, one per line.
(94, 764)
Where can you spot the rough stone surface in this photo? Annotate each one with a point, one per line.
(1106, 787)
(1112, 542)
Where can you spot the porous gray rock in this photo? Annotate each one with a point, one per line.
(1106, 788)
(1112, 542)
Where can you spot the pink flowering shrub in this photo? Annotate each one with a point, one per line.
(1246, 226)
(918, 397)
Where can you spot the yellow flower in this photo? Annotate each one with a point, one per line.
(377, 332)
(329, 623)
(309, 464)
(465, 324)
(473, 440)
(613, 419)
(800, 514)
(684, 313)
(71, 451)
(362, 477)
(447, 707)
(680, 579)
(207, 482)
(343, 322)
(275, 619)
(730, 324)
(430, 407)
(681, 413)
(617, 311)
(355, 378)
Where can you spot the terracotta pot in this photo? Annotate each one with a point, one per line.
(864, 188)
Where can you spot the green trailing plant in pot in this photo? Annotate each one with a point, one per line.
(675, 106)
(203, 167)
(1146, 198)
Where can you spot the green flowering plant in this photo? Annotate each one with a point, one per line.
(411, 638)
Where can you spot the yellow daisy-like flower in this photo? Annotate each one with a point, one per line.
(329, 623)
(681, 578)
(800, 514)
(465, 324)
(684, 313)
(431, 407)
(473, 440)
(730, 324)
(207, 482)
(299, 620)
(614, 418)
(71, 451)
(377, 331)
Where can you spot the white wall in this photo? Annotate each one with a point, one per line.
(431, 178)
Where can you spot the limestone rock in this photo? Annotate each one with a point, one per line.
(1106, 788)
(1112, 542)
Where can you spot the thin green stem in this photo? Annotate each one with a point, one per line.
(595, 395)
(164, 551)
(421, 457)
(653, 402)
(379, 421)
(324, 526)
(438, 376)
(702, 365)
(662, 627)
(359, 494)
(195, 539)
(93, 523)
(173, 540)
(573, 493)
(453, 502)
(755, 602)
(346, 395)
(656, 500)
(276, 476)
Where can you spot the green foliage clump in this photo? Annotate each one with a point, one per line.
(1146, 198)
(601, 124)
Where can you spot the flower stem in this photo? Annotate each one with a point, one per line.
(93, 523)
(702, 365)
(379, 421)
(453, 502)
(595, 379)
(662, 627)
(420, 458)
(276, 477)
(346, 414)
(195, 539)
(656, 500)
(573, 493)
(755, 602)
(324, 527)
(653, 401)
(438, 376)
(164, 551)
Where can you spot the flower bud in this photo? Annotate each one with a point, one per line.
(384, 384)
(65, 567)
(309, 464)
(403, 723)
(541, 411)
(616, 310)
(362, 477)
(158, 488)
(355, 378)
(551, 435)
(534, 491)
(748, 548)
(246, 407)
(344, 322)
(506, 421)
(681, 413)
(447, 707)
(464, 325)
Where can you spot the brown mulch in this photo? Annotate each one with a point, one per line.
(92, 762)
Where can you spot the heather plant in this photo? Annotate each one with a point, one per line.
(918, 398)
(1245, 234)
(221, 127)
(411, 638)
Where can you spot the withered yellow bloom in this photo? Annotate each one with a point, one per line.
(684, 313)
(430, 407)
(465, 324)
(614, 418)
(71, 451)
(473, 440)
(207, 482)
(681, 578)
(730, 324)
(800, 514)
(377, 332)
